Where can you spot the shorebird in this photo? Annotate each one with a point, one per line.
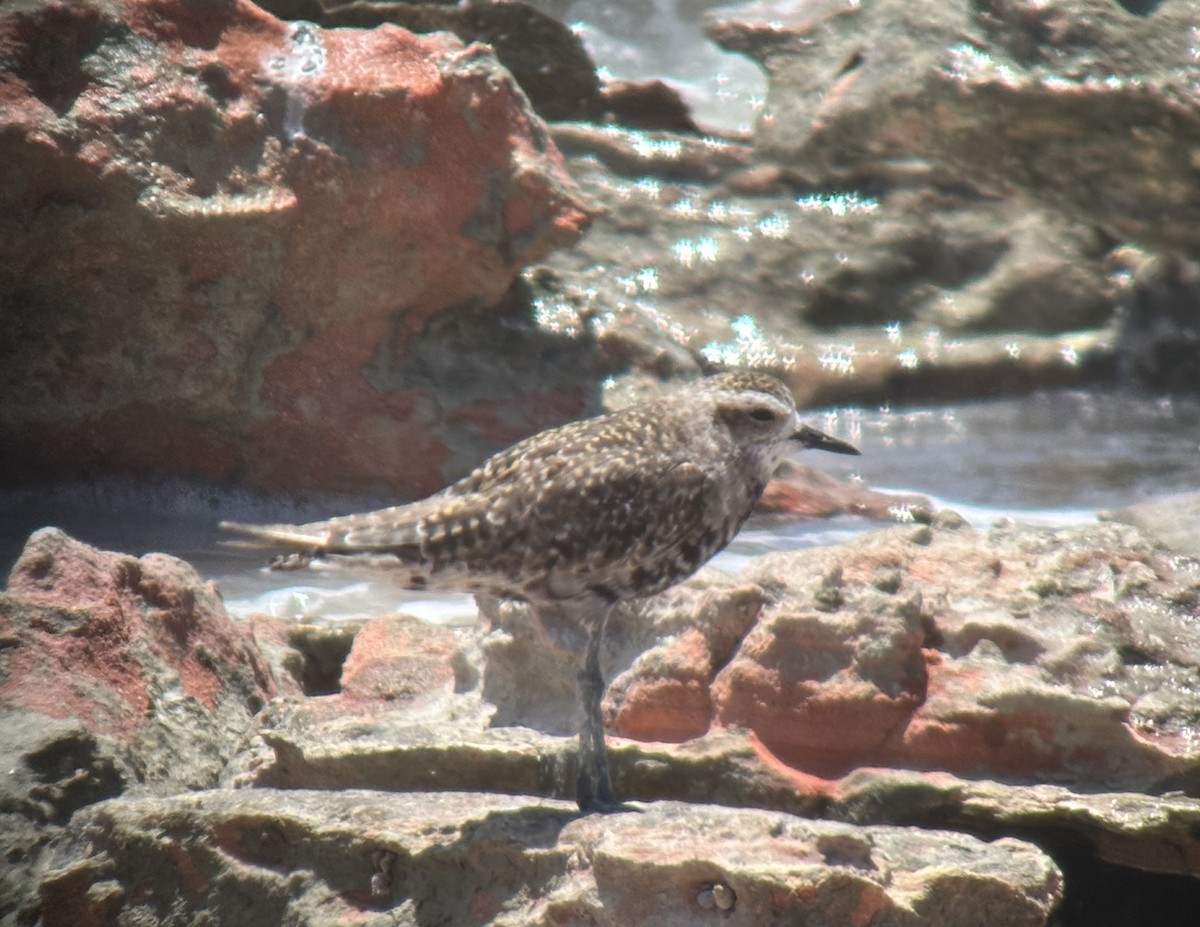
(581, 517)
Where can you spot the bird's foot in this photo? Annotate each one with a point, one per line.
(594, 793)
(597, 798)
(608, 807)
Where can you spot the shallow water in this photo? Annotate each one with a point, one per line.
(664, 40)
(1052, 459)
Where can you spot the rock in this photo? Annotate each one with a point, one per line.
(438, 747)
(1158, 332)
(304, 659)
(51, 769)
(1173, 521)
(665, 154)
(686, 636)
(118, 675)
(226, 240)
(399, 658)
(391, 680)
(647, 104)
(1084, 106)
(326, 858)
(140, 651)
(530, 667)
(1022, 653)
(925, 675)
(798, 490)
(547, 59)
(803, 673)
(544, 54)
(910, 295)
(1154, 833)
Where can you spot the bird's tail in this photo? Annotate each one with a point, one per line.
(268, 536)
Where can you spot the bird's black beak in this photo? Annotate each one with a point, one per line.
(818, 440)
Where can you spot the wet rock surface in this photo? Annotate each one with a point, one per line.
(908, 294)
(935, 205)
(1024, 96)
(1173, 521)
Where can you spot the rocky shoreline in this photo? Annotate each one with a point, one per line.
(340, 249)
(928, 724)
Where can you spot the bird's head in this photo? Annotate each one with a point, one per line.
(760, 413)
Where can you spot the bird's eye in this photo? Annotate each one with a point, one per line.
(762, 415)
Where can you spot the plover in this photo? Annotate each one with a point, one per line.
(581, 517)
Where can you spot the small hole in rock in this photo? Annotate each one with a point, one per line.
(853, 63)
(322, 650)
(1139, 7)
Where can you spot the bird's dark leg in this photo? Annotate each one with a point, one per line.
(594, 792)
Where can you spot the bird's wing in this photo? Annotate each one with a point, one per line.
(548, 453)
(592, 514)
(589, 509)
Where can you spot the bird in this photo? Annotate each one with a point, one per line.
(578, 518)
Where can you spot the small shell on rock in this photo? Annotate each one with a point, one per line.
(381, 878)
(717, 896)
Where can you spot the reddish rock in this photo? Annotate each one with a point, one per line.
(221, 235)
(659, 656)
(803, 491)
(985, 716)
(1020, 653)
(1017, 654)
(399, 657)
(380, 679)
(824, 689)
(665, 694)
(137, 649)
(545, 55)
